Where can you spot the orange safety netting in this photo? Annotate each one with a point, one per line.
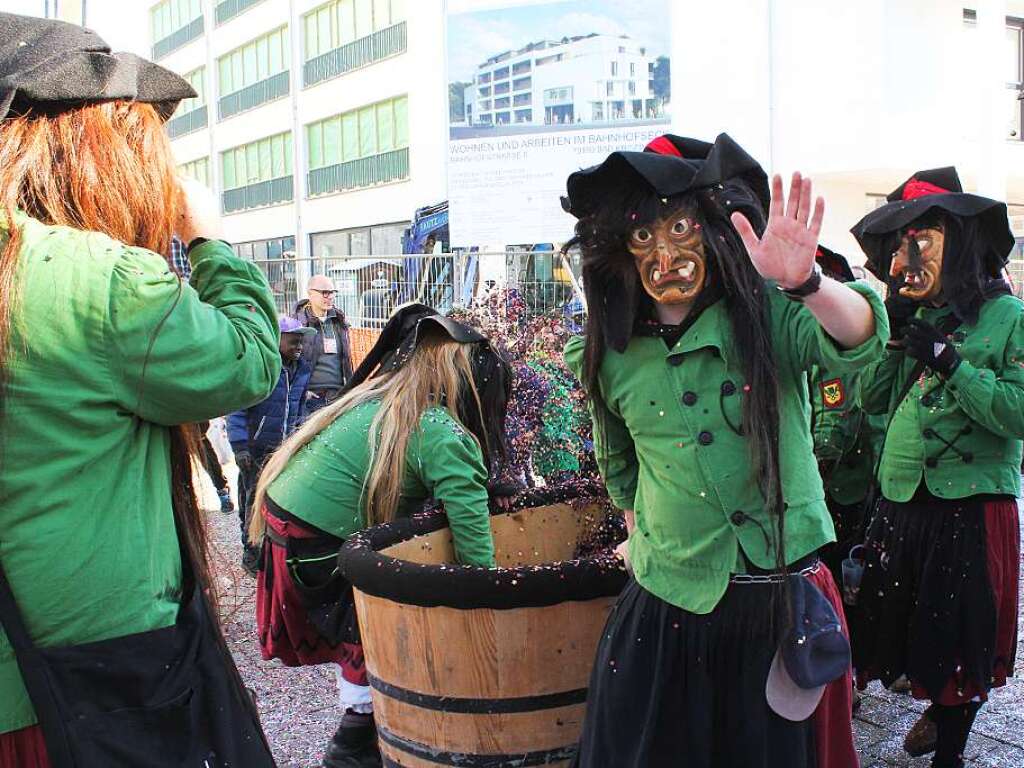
(362, 341)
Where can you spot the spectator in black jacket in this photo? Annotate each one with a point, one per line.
(328, 352)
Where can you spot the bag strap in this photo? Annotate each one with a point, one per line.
(33, 670)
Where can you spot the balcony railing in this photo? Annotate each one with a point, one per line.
(176, 39)
(279, 190)
(228, 9)
(365, 172)
(366, 50)
(273, 87)
(188, 122)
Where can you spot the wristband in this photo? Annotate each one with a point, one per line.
(806, 288)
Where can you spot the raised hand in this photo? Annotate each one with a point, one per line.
(785, 252)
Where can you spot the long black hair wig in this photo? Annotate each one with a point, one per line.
(492, 378)
(617, 301)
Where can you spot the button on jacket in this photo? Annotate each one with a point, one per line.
(961, 436)
(672, 448)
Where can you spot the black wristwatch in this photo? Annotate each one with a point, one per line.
(807, 287)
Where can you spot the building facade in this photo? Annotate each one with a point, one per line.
(302, 122)
(588, 79)
(323, 126)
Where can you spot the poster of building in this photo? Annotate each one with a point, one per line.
(538, 90)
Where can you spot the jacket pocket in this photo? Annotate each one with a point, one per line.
(139, 736)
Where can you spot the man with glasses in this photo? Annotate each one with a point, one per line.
(328, 352)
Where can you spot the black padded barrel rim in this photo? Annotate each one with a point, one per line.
(473, 706)
(469, 587)
(470, 759)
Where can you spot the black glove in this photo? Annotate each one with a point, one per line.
(925, 343)
(244, 460)
(900, 310)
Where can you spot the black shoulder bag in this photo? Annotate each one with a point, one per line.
(164, 698)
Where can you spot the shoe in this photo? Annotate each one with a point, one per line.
(359, 752)
(251, 560)
(226, 505)
(922, 737)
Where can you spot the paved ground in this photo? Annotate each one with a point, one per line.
(299, 707)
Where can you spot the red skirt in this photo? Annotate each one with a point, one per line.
(285, 631)
(24, 748)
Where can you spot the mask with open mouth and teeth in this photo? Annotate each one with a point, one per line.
(918, 262)
(669, 255)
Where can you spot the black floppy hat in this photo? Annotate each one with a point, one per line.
(938, 189)
(53, 66)
(403, 333)
(669, 165)
(834, 264)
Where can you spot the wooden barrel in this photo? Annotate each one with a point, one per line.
(482, 668)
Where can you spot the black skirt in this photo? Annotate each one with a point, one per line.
(938, 600)
(674, 689)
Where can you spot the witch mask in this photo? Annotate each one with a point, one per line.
(917, 263)
(669, 255)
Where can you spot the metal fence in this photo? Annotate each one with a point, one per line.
(365, 172)
(228, 9)
(366, 50)
(178, 38)
(279, 190)
(371, 287)
(188, 122)
(268, 89)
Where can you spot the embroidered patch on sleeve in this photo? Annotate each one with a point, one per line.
(833, 394)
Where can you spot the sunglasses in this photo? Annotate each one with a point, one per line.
(325, 294)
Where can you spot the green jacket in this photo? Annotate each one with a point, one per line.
(323, 483)
(846, 439)
(671, 448)
(109, 349)
(962, 436)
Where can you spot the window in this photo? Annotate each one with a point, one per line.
(197, 79)
(501, 74)
(254, 62)
(1014, 77)
(484, 77)
(261, 250)
(632, 69)
(522, 98)
(198, 170)
(502, 103)
(171, 15)
(501, 88)
(524, 115)
(340, 22)
(521, 67)
(610, 88)
(615, 68)
(485, 90)
(632, 88)
(260, 161)
(521, 83)
(364, 132)
(622, 49)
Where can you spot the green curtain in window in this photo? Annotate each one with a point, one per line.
(350, 136)
(402, 122)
